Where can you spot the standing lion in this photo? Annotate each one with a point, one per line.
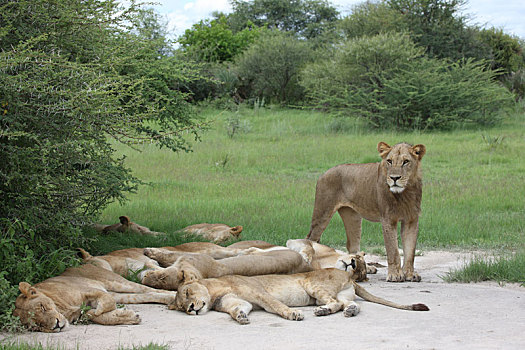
(388, 192)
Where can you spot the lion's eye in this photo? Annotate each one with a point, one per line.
(406, 161)
(389, 161)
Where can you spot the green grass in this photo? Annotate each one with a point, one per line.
(265, 180)
(499, 269)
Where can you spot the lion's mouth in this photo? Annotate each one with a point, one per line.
(396, 189)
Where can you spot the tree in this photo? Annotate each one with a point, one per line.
(270, 67)
(306, 18)
(371, 18)
(214, 41)
(76, 74)
(438, 26)
(386, 80)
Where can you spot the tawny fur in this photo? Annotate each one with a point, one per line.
(51, 305)
(126, 225)
(197, 266)
(388, 192)
(321, 256)
(332, 289)
(123, 262)
(217, 233)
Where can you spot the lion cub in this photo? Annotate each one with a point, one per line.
(333, 289)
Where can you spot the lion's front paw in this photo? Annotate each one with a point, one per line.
(412, 277)
(242, 318)
(351, 310)
(397, 276)
(295, 315)
(321, 311)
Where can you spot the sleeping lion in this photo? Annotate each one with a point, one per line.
(49, 306)
(332, 289)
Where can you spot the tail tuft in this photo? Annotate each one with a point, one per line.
(420, 307)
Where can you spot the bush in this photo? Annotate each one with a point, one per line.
(74, 75)
(27, 257)
(385, 80)
(270, 68)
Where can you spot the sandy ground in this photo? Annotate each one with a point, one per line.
(461, 316)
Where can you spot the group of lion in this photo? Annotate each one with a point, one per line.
(198, 276)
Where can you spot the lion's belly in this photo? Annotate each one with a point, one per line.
(291, 294)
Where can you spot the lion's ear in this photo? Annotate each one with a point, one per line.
(361, 253)
(124, 220)
(27, 290)
(383, 149)
(418, 151)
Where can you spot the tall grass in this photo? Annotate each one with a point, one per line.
(264, 179)
(501, 269)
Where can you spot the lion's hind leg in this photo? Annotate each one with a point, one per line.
(347, 297)
(236, 307)
(273, 305)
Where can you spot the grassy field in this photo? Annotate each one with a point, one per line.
(264, 179)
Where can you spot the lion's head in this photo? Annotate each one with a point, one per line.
(37, 311)
(400, 164)
(172, 277)
(353, 263)
(192, 298)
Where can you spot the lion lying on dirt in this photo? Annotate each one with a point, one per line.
(321, 256)
(333, 289)
(194, 266)
(388, 192)
(51, 305)
(122, 262)
(217, 233)
(126, 225)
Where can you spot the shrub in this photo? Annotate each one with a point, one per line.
(384, 80)
(270, 67)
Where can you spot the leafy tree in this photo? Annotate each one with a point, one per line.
(506, 50)
(387, 81)
(214, 40)
(75, 75)
(270, 67)
(307, 18)
(438, 26)
(371, 18)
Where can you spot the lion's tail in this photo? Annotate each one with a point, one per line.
(360, 291)
(83, 254)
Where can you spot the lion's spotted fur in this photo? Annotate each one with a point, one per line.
(388, 192)
(332, 289)
(50, 305)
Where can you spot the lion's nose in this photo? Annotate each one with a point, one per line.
(395, 178)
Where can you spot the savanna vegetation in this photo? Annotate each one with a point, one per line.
(98, 109)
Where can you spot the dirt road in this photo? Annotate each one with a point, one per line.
(461, 316)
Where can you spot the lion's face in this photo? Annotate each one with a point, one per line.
(353, 263)
(161, 279)
(400, 163)
(37, 311)
(192, 298)
(172, 277)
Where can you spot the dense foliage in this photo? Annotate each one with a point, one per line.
(306, 18)
(75, 75)
(386, 80)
